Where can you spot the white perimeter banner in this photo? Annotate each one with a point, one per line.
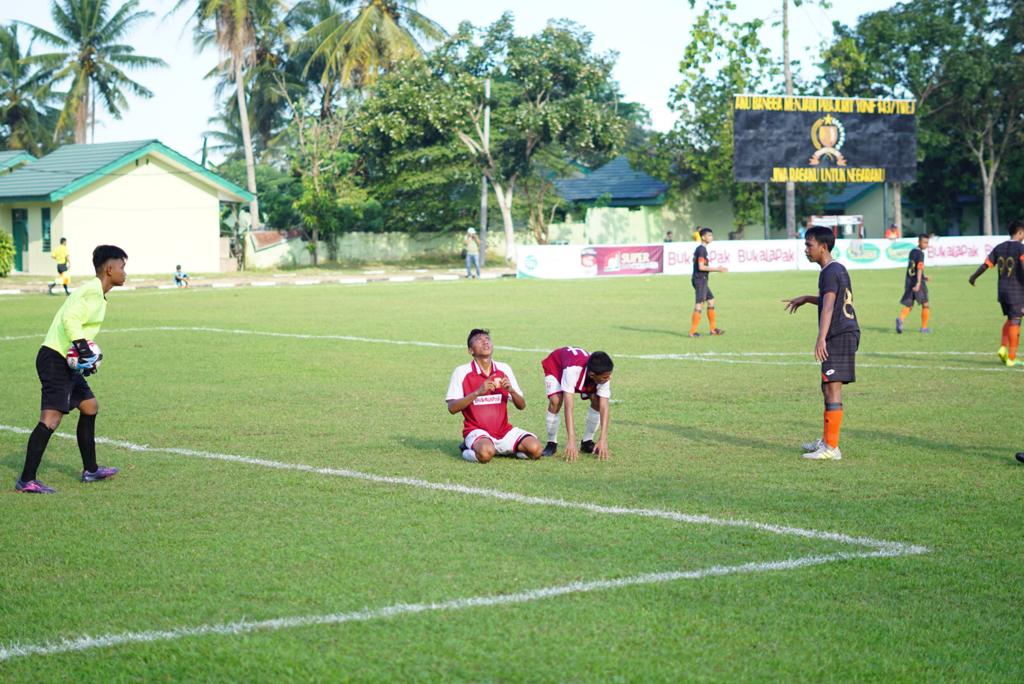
(741, 256)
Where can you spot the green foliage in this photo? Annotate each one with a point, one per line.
(6, 253)
(278, 192)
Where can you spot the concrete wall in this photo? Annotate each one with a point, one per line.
(34, 259)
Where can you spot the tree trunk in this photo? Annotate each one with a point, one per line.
(82, 118)
(505, 204)
(316, 244)
(250, 162)
(790, 187)
(986, 206)
(897, 200)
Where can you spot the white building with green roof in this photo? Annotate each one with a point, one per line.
(158, 205)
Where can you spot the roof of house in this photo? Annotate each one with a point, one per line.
(848, 194)
(72, 167)
(618, 182)
(13, 158)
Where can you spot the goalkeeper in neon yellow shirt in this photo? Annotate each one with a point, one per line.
(64, 388)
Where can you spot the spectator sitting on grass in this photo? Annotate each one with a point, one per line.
(180, 277)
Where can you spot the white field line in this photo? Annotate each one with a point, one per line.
(880, 549)
(741, 358)
(84, 643)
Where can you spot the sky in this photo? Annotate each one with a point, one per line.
(648, 35)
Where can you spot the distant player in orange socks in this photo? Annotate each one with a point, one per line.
(915, 286)
(700, 284)
(838, 337)
(1008, 260)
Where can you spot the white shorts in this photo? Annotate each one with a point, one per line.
(505, 446)
(552, 385)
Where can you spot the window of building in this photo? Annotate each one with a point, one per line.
(46, 229)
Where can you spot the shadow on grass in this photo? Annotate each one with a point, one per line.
(702, 435)
(14, 460)
(674, 333)
(929, 360)
(433, 447)
(951, 448)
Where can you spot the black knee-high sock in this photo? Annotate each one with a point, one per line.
(87, 441)
(34, 455)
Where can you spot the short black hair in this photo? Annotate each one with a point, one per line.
(822, 235)
(705, 230)
(105, 253)
(1015, 226)
(473, 333)
(600, 363)
(63, 240)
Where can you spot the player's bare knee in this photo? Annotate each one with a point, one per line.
(485, 450)
(51, 419)
(554, 403)
(531, 447)
(89, 407)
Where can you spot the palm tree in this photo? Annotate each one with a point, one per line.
(87, 35)
(27, 114)
(234, 32)
(354, 51)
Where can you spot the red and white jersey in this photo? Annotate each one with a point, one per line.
(568, 366)
(489, 411)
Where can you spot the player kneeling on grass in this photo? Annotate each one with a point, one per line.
(63, 386)
(838, 336)
(481, 390)
(569, 371)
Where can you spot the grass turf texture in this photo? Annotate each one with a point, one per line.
(177, 542)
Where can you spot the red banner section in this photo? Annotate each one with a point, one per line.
(627, 260)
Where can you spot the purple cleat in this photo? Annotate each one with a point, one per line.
(899, 326)
(926, 330)
(101, 473)
(33, 487)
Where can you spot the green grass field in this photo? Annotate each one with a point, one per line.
(183, 558)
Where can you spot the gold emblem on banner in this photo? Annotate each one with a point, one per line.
(828, 136)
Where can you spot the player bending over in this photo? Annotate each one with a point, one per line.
(569, 371)
(481, 390)
(64, 388)
(699, 280)
(1008, 260)
(915, 286)
(838, 336)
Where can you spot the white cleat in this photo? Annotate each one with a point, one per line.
(812, 446)
(824, 453)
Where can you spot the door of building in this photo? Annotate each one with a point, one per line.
(19, 222)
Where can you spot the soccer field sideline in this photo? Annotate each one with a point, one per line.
(880, 549)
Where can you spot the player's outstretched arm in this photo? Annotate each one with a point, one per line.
(572, 450)
(974, 276)
(796, 302)
(601, 449)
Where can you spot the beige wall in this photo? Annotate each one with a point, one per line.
(160, 217)
(34, 259)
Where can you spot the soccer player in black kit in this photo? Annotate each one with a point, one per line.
(699, 280)
(838, 337)
(1008, 260)
(915, 286)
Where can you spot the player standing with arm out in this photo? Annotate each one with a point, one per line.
(481, 390)
(569, 371)
(1008, 260)
(699, 280)
(64, 388)
(915, 286)
(838, 337)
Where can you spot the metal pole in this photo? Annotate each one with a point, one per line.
(483, 179)
(885, 207)
(767, 228)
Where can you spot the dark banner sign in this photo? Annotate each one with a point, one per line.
(823, 139)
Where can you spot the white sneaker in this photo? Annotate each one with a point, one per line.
(824, 453)
(812, 446)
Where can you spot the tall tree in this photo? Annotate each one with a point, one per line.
(92, 56)
(27, 100)
(234, 33)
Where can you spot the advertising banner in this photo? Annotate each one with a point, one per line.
(780, 138)
(741, 256)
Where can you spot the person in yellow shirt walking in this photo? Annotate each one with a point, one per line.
(60, 255)
(64, 388)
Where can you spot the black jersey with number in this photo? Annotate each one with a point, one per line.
(835, 278)
(700, 253)
(915, 263)
(1008, 260)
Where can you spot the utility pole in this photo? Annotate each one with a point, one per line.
(790, 186)
(483, 178)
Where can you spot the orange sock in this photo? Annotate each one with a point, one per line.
(694, 322)
(1006, 334)
(924, 317)
(1014, 340)
(833, 419)
(711, 318)
(904, 313)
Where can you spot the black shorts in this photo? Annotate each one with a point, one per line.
(840, 366)
(702, 292)
(909, 296)
(63, 388)
(1012, 307)
(61, 268)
